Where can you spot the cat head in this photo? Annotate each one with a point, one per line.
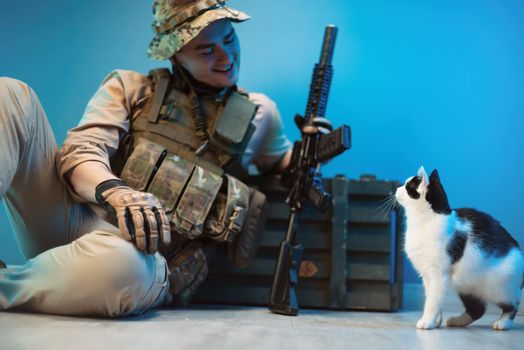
(421, 191)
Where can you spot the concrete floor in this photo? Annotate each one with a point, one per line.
(229, 327)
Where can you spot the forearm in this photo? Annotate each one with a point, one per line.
(83, 160)
(284, 162)
(86, 176)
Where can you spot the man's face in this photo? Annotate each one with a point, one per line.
(213, 56)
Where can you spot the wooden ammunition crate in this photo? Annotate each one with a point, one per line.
(353, 252)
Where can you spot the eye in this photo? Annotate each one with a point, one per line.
(229, 40)
(411, 187)
(208, 51)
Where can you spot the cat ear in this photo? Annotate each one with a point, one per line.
(422, 174)
(434, 177)
(436, 195)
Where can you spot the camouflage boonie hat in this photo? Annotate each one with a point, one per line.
(176, 22)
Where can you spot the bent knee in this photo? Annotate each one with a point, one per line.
(17, 96)
(10, 86)
(118, 276)
(112, 259)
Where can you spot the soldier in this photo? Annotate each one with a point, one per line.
(147, 188)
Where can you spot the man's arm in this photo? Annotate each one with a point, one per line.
(269, 148)
(275, 164)
(83, 161)
(97, 137)
(86, 176)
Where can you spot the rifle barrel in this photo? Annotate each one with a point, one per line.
(328, 45)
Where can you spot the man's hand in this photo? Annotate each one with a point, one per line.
(319, 125)
(141, 218)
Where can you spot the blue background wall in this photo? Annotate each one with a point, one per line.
(437, 83)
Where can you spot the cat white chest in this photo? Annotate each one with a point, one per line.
(425, 246)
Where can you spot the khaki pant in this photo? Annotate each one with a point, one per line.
(77, 263)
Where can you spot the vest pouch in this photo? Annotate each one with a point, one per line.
(142, 164)
(242, 250)
(234, 122)
(170, 180)
(228, 214)
(195, 204)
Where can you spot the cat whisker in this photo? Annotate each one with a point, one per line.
(394, 206)
(382, 208)
(386, 199)
(386, 207)
(385, 203)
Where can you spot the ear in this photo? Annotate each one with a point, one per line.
(436, 195)
(422, 174)
(434, 177)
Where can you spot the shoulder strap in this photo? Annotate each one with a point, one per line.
(161, 78)
(242, 91)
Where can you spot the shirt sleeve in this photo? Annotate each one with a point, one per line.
(105, 120)
(269, 142)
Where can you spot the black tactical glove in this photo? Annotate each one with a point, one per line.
(140, 216)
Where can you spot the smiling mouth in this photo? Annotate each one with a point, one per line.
(226, 69)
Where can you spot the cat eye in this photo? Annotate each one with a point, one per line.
(411, 187)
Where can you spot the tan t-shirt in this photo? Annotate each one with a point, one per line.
(122, 96)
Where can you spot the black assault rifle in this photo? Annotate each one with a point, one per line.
(304, 179)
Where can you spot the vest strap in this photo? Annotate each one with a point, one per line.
(161, 77)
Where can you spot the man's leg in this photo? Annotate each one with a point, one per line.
(98, 274)
(36, 199)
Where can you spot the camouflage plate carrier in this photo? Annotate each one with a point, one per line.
(165, 155)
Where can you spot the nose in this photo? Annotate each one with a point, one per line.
(222, 55)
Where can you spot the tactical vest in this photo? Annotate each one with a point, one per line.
(165, 156)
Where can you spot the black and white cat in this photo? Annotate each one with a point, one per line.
(464, 248)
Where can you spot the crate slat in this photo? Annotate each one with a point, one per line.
(373, 260)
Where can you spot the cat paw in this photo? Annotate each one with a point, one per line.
(438, 322)
(428, 324)
(459, 321)
(502, 325)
